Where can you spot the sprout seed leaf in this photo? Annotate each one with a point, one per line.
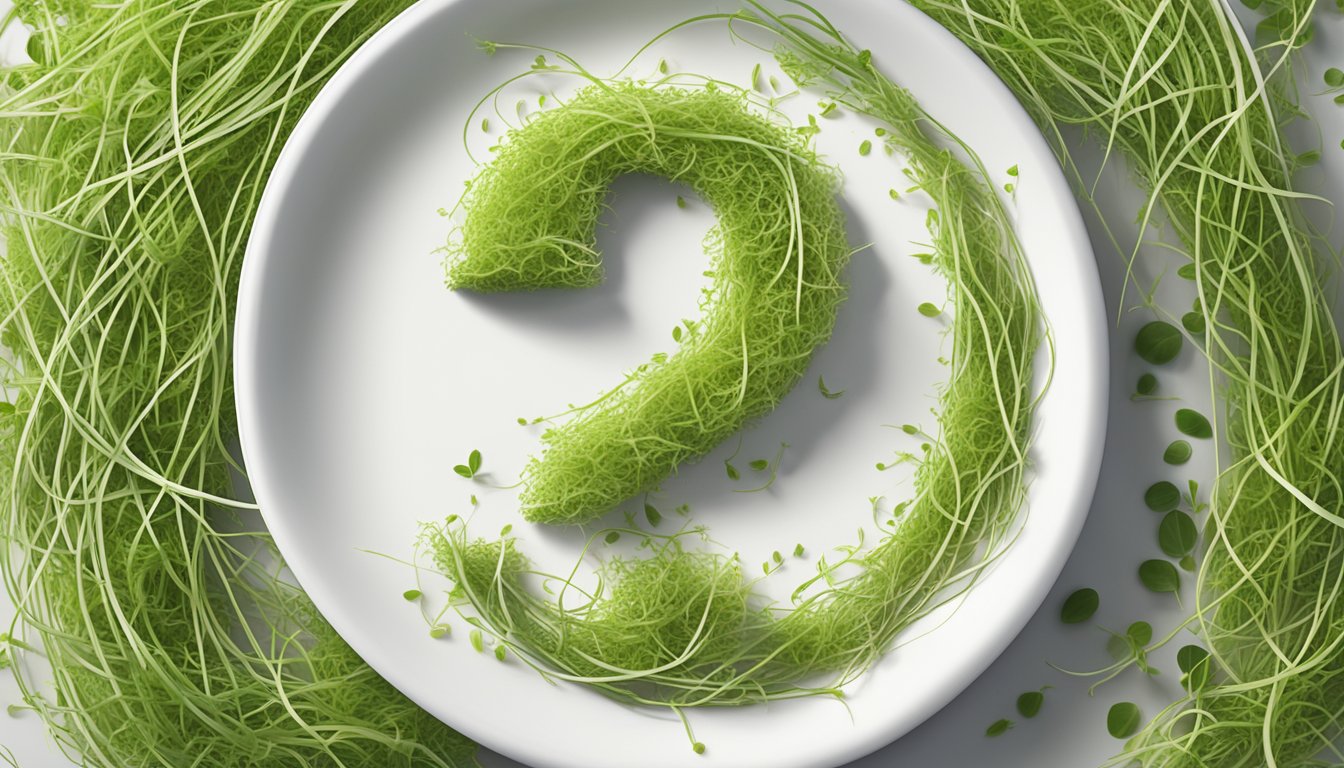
(1193, 423)
(998, 728)
(1029, 703)
(1123, 720)
(1080, 606)
(1159, 576)
(1177, 534)
(1195, 664)
(1162, 496)
(1158, 342)
(1177, 453)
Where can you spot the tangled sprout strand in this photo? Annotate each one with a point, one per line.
(1171, 85)
(134, 153)
(678, 628)
(779, 249)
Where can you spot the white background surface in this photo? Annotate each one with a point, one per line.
(1120, 533)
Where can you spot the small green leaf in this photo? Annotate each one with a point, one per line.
(698, 748)
(1140, 633)
(893, 194)
(6, 409)
(477, 641)
(463, 470)
(777, 557)
(411, 595)
(1029, 703)
(439, 631)
(1123, 720)
(652, 515)
(681, 201)
(1162, 496)
(1187, 271)
(1177, 534)
(865, 148)
(1146, 385)
(1195, 664)
(1194, 323)
(1159, 576)
(1080, 606)
(1158, 342)
(798, 551)
(760, 465)
(474, 462)
(733, 474)
(500, 652)
(1177, 453)
(1309, 158)
(676, 333)
(929, 310)
(1334, 77)
(1013, 171)
(1193, 423)
(1187, 563)
(612, 537)
(998, 728)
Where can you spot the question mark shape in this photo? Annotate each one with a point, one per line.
(778, 250)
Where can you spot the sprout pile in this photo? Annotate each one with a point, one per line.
(779, 251)
(135, 148)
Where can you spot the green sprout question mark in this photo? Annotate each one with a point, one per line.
(779, 248)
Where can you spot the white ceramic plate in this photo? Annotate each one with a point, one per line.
(361, 380)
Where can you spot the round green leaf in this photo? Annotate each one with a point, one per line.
(1334, 77)
(1195, 664)
(1158, 342)
(1193, 423)
(998, 728)
(1140, 633)
(1159, 576)
(1193, 322)
(1080, 606)
(1029, 703)
(1162, 496)
(1177, 453)
(1177, 534)
(1123, 720)
(1147, 384)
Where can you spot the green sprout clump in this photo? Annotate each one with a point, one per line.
(779, 249)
